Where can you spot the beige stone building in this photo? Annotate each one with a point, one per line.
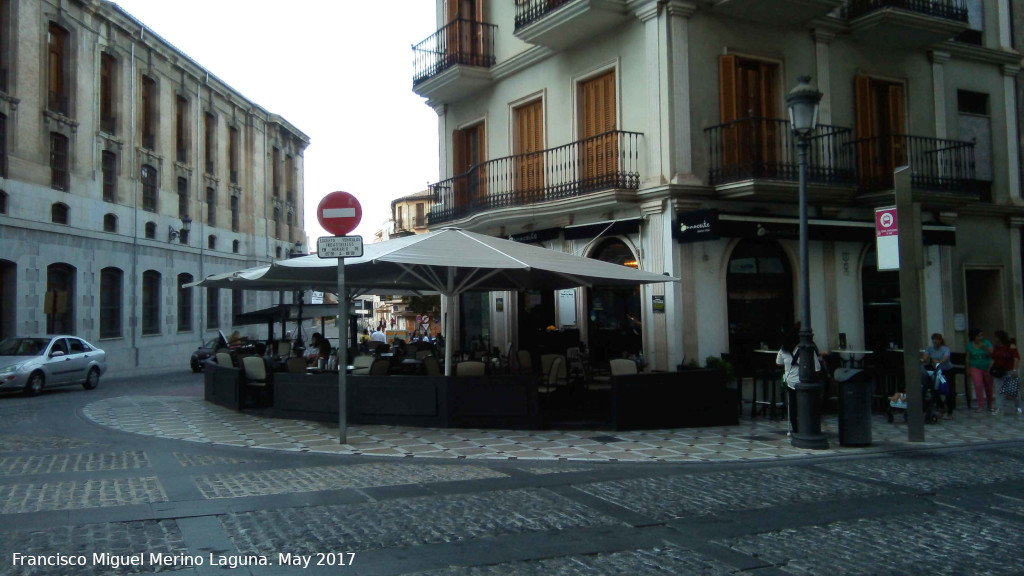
(126, 171)
(655, 134)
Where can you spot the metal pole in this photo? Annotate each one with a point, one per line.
(908, 218)
(342, 356)
(808, 391)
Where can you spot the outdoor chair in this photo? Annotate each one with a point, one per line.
(224, 359)
(432, 366)
(525, 361)
(380, 367)
(296, 365)
(470, 368)
(546, 363)
(284, 349)
(421, 354)
(361, 364)
(257, 377)
(622, 366)
(552, 383)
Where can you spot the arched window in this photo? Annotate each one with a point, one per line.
(149, 177)
(150, 302)
(111, 301)
(184, 303)
(151, 230)
(59, 69)
(759, 293)
(211, 242)
(234, 246)
(109, 223)
(59, 304)
(59, 213)
(615, 327)
(277, 251)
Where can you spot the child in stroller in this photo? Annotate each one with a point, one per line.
(933, 389)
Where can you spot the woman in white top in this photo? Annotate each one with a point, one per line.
(791, 370)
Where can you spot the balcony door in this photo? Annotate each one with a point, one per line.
(600, 151)
(467, 155)
(528, 143)
(748, 100)
(881, 121)
(465, 33)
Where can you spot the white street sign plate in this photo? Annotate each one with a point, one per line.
(339, 247)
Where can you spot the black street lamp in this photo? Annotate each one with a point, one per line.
(803, 117)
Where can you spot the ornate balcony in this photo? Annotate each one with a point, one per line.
(454, 61)
(942, 167)
(906, 23)
(560, 23)
(777, 12)
(605, 162)
(764, 149)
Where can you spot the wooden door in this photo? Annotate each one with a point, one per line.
(750, 137)
(599, 162)
(881, 121)
(467, 159)
(528, 142)
(465, 35)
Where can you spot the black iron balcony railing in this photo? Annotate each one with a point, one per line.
(949, 9)
(528, 11)
(459, 42)
(935, 164)
(209, 166)
(765, 148)
(149, 141)
(607, 161)
(57, 102)
(108, 124)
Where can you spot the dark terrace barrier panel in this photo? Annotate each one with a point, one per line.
(949, 9)
(459, 42)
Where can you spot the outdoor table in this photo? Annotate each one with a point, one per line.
(849, 357)
(769, 380)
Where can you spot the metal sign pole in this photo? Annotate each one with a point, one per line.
(342, 355)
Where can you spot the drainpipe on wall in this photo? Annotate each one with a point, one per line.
(135, 316)
(202, 224)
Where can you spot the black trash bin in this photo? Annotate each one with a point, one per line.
(855, 390)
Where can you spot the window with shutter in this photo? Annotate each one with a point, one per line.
(528, 143)
(599, 162)
(881, 123)
(468, 152)
(748, 105)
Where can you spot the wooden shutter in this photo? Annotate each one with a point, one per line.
(867, 143)
(460, 165)
(728, 101)
(768, 129)
(600, 147)
(529, 141)
(897, 126)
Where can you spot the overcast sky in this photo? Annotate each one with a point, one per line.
(339, 70)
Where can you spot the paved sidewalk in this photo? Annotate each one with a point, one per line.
(192, 419)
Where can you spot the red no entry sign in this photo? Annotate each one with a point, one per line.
(339, 213)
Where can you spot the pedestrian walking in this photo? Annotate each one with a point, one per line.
(1005, 380)
(979, 361)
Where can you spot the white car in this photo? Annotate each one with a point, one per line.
(34, 363)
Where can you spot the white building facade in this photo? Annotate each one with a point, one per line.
(127, 170)
(606, 128)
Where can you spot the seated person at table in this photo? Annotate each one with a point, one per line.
(319, 347)
(378, 336)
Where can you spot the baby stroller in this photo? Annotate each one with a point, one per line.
(933, 389)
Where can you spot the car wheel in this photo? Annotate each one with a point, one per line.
(196, 366)
(35, 384)
(92, 380)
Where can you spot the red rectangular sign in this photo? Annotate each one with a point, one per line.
(885, 222)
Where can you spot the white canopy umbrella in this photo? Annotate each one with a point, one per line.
(448, 261)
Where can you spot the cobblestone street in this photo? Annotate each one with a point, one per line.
(74, 485)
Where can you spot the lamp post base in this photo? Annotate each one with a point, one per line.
(808, 431)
